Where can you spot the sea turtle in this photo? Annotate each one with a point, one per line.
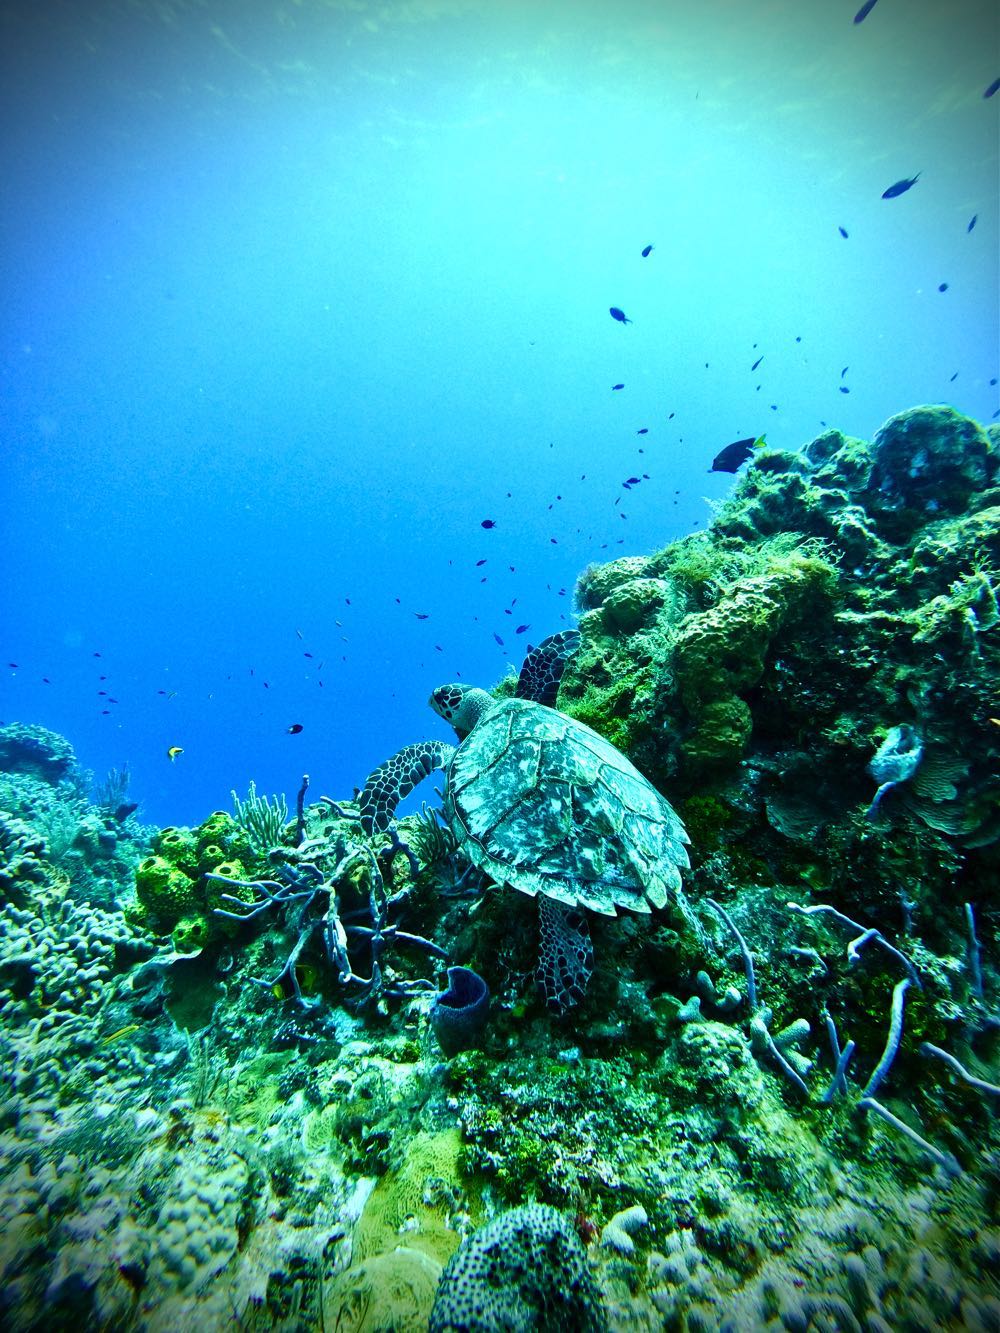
(543, 804)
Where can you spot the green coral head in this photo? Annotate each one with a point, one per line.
(178, 846)
(191, 933)
(163, 889)
(461, 705)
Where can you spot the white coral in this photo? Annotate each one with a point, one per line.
(617, 1235)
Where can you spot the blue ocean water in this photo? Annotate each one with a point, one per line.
(297, 296)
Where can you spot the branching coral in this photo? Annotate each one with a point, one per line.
(309, 890)
(262, 818)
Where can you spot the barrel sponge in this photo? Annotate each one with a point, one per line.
(192, 932)
(221, 831)
(526, 1270)
(177, 845)
(163, 889)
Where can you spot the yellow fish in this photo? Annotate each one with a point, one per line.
(173, 752)
(122, 1032)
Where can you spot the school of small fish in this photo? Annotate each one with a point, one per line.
(728, 459)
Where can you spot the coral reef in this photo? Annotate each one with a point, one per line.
(222, 1099)
(173, 891)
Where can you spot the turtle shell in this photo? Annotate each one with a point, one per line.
(543, 803)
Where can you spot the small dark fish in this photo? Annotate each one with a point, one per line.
(993, 88)
(617, 386)
(294, 729)
(307, 654)
(632, 481)
(647, 251)
(644, 430)
(422, 615)
(900, 187)
(953, 378)
(95, 654)
(844, 389)
(864, 11)
(488, 523)
(942, 286)
(732, 458)
(844, 371)
(757, 363)
(843, 232)
(498, 638)
(123, 811)
(480, 562)
(46, 681)
(972, 222)
(521, 629)
(620, 315)
(12, 665)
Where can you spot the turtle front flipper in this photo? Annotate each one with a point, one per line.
(543, 667)
(565, 954)
(396, 778)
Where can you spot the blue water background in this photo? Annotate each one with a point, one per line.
(296, 295)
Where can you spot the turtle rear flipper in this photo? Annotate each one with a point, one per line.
(543, 667)
(565, 954)
(386, 786)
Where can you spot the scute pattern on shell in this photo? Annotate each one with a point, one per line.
(543, 803)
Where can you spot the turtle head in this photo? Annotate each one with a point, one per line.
(461, 705)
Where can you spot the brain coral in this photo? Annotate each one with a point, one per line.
(526, 1270)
